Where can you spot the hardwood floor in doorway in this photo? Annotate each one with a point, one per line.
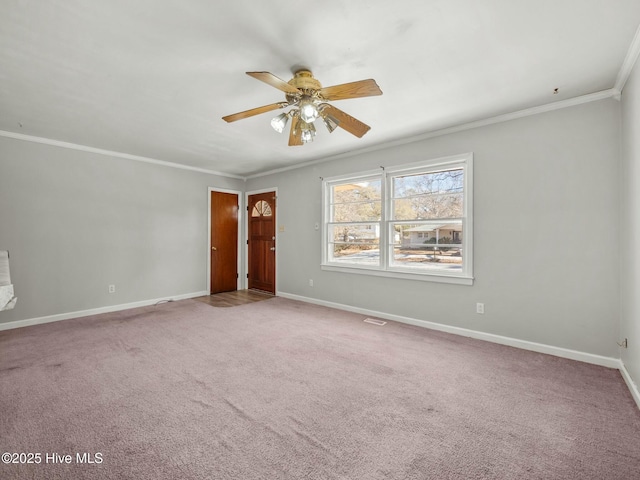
(235, 298)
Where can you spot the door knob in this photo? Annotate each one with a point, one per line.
(273, 249)
(214, 248)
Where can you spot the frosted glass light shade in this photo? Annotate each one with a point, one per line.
(278, 123)
(308, 110)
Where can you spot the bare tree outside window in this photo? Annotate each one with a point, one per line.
(429, 195)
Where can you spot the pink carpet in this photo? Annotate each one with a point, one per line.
(285, 390)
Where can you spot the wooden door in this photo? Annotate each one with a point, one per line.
(262, 242)
(224, 242)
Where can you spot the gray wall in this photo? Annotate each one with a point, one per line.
(75, 222)
(545, 244)
(630, 225)
(546, 226)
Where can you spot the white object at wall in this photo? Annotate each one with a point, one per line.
(7, 298)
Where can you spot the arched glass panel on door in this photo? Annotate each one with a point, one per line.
(261, 209)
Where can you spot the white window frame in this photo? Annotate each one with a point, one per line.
(463, 277)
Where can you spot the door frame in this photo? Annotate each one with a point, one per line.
(245, 280)
(240, 221)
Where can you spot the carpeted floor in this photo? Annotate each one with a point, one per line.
(285, 390)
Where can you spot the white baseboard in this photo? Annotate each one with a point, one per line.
(609, 362)
(633, 388)
(95, 311)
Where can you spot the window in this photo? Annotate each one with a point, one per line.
(412, 221)
(354, 230)
(261, 209)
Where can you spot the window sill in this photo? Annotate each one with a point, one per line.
(423, 277)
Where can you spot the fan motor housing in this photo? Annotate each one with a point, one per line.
(303, 79)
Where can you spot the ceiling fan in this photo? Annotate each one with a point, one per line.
(309, 99)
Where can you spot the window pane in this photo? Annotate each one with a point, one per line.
(261, 208)
(355, 233)
(357, 244)
(448, 181)
(427, 207)
(357, 212)
(356, 202)
(428, 195)
(427, 246)
(356, 191)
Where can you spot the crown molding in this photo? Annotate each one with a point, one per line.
(549, 107)
(592, 97)
(111, 153)
(629, 62)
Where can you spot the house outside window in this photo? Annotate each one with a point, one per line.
(410, 221)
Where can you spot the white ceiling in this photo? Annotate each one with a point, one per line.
(153, 78)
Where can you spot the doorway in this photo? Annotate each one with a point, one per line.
(261, 241)
(224, 209)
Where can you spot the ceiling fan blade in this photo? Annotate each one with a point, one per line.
(254, 111)
(363, 88)
(274, 81)
(345, 121)
(295, 135)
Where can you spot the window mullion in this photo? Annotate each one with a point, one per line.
(384, 222)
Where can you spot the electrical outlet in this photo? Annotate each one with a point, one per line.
(480, 308)
(311, 282)
(112, 289)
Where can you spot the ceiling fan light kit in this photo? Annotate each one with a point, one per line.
(309, 101)
(330, 122)
(308, 131)
(308, 109)
(278, 123)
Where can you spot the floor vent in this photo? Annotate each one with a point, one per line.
(374, 321)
